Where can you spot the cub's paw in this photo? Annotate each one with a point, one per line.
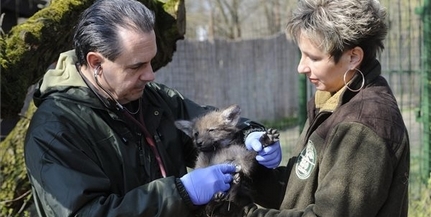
(271, 136)
(219, 196)
(236, 178)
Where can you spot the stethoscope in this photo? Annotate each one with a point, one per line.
(95, 74)
(122, 109)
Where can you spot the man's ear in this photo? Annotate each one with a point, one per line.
(94, 59)
(356, 57)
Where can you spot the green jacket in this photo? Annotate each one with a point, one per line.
(84, 159)
(352, 158)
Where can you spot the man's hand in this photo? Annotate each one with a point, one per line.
(201, 184)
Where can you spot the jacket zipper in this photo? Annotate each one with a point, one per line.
(141, 151)
(145, 159)
(150, 143)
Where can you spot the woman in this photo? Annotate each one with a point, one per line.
(353, 154)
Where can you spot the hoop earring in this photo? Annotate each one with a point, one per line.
(346, 83)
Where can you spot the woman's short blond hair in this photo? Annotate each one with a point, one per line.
(339, 25)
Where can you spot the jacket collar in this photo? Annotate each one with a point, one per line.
(325, 101)
(63, 75)
(65, 83)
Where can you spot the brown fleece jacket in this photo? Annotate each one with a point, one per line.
(352, 158)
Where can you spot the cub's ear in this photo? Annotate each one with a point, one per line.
(185, 126)
(231, 114)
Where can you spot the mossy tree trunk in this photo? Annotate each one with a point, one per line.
(27, 51)
(31, 47)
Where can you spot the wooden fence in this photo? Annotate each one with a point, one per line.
(260, 75)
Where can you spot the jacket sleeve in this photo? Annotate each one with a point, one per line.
(355, 177)
(67, 181)
(269, 185)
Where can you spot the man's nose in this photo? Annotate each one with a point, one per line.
(148, 74)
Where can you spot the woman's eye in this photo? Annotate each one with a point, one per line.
(314, 59)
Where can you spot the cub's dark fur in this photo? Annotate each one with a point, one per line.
(219, 141)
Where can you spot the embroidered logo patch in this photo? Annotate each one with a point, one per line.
(306, 161)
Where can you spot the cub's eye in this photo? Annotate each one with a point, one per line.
(196, 134)
(210, 130)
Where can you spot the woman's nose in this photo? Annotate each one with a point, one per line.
(302, 67)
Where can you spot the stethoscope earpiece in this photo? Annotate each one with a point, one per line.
(97, 71)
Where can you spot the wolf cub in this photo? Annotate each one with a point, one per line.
(218, 140)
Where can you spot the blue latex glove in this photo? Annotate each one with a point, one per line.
(203, 183)
(270, 156)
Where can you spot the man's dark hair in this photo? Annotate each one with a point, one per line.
(99, 25)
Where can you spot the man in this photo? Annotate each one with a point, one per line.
(103, 140)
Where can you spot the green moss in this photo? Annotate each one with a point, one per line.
(171, 6)
(32, 46)
(15, 195)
